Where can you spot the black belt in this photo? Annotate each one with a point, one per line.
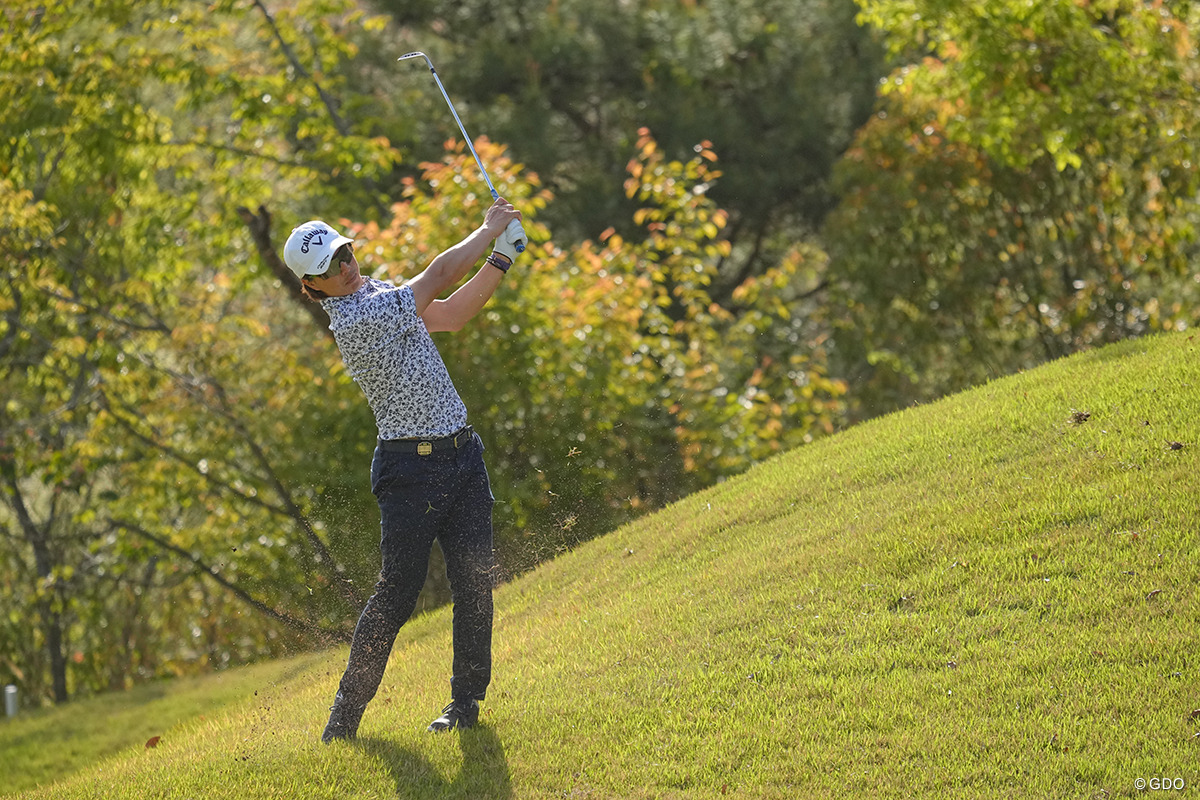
(424, 447)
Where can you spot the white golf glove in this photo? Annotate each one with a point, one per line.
(511, 241)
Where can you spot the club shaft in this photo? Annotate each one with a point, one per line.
(515, 231)
(461, 127)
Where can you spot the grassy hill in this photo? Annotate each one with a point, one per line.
(37, 748)
(993, 595)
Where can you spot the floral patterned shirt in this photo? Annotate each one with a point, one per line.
(388, 352)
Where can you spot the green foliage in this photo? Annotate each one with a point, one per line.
(1077, 77)
(778, 87)
(1024, 192)
(130, 462)
(980, 597)
(182, 457)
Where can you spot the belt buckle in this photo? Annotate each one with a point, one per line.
(424, 448)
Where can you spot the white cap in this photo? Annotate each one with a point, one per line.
(310, 247)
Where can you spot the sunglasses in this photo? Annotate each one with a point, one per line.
(342, 254)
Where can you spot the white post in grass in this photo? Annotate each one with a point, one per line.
(10, 700)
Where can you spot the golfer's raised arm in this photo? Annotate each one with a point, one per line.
(468, 300)
(451, 265)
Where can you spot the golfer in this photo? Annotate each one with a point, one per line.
(427, 473)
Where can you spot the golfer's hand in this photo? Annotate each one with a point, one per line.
(498, 216)
(511, 238)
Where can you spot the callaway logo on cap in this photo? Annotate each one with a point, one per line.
(310, 247)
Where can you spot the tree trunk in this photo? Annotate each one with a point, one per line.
(259, 225)
(54, 643)
(38, 538)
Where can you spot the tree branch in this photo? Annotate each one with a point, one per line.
(324, 557)
(260, 231)
(239, 151)
(175, 455)
(287, 508)
(326, 98)
(157, 326)
(205, 570)
(14, 321)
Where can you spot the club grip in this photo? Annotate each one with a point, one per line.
(516, 234)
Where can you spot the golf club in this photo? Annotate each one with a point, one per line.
(519, 239)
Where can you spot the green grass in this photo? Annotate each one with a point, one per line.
(974, 598)
(41, 747)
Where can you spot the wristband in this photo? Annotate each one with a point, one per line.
(498, 263)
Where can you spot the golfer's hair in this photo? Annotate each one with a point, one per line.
(311, 294)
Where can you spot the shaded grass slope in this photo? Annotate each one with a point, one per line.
(40, 747)
(992, 595)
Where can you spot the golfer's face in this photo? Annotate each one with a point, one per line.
(341, 282)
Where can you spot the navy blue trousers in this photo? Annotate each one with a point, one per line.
(444, 496)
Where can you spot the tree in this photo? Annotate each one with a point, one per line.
(1025, 190)
(122, 452)
(181, 453)
(778, 87)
